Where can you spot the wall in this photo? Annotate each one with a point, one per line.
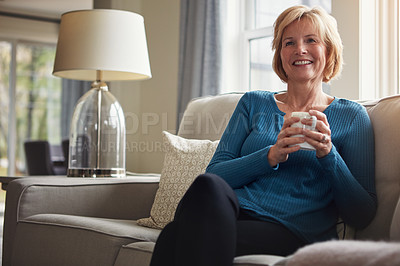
(159, 94)
(31, 30)
(347, 16)
(150, 105)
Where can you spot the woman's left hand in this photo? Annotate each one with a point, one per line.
(321, 138)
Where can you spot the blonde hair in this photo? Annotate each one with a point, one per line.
(327, 29)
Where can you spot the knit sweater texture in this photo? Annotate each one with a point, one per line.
(306, 194)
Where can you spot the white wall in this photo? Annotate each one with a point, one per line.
(347, 15)
(31, 30)
(150, 106)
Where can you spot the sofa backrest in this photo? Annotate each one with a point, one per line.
(384, 115)
(207, 117)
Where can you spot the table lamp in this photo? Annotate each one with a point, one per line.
(100, 45)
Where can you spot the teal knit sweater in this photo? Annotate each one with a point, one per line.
(306, 194)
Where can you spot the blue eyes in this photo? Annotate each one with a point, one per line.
(309, 40)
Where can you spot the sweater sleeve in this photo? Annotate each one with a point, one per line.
(351, 172)
(227, 161)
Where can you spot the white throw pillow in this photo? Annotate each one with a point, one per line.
(184, 160)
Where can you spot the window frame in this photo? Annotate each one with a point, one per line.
(12, 133)
(21, 30)
(247, 37)
(371, 53)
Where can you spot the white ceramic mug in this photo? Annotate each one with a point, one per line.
(302, 115)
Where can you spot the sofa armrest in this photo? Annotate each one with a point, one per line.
(395, 226)
(126, 198)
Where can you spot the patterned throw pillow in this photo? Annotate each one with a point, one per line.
(184, 160)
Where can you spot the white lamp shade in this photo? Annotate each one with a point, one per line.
(112, 41)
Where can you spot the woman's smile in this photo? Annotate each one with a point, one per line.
(302, 62)
(303, 53)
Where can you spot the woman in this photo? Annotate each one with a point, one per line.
(261, 193)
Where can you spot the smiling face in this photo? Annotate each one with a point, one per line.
(303, 53)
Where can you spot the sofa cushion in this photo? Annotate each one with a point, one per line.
(260, 260)
(395, 228)
(113, 227)
(184, 160)
(207, 117)
(137, 253)
(384, 114)
(54, 239)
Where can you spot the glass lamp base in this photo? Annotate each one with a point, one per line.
(97, 135)
(94, 173)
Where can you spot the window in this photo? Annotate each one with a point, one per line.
(5, 59)
(249, 33)
(369, 31)
(30, 101)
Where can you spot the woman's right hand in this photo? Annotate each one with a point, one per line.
(280, 151)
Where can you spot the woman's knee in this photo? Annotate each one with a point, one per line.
(211, 189)
(208, 182)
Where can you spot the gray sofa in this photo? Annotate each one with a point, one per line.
(74, 221)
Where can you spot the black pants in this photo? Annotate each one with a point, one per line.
(210, 229)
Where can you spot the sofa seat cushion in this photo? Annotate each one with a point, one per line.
(112, 227)
(260, 260)
(54, 239)
(137, 253)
